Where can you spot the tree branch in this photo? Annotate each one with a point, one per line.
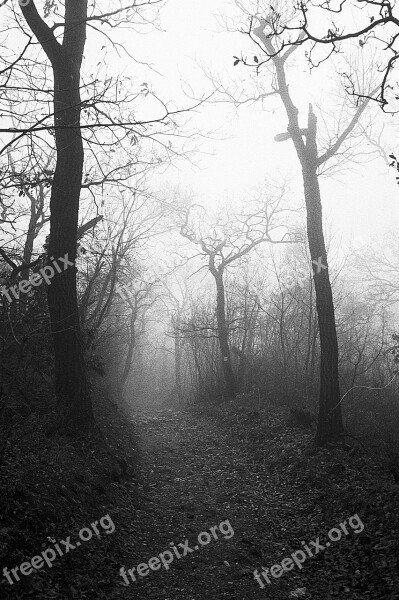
(344, 135)
(42, 31)
(85, 228)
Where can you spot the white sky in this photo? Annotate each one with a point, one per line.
(359, 204)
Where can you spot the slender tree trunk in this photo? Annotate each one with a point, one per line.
(223, 335)
(330, 418)
(130, 350)
(30, 238)
(178, 360)
(200, 378)
(176, 323)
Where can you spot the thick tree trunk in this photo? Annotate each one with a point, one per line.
(71, 381)
(70, 371)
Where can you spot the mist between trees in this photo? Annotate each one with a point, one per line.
(254, 333)
(135, 223)
(214, 338)
(240, 290)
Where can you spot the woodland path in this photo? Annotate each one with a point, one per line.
(193, 473)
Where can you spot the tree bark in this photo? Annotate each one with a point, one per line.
(71, 382)
(330, 418)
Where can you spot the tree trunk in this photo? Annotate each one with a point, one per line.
(178, 362)
(131, 345)
(197, 363)
(71, 380)
(70, 371)
(30, 237)
(330, 418)
(223, 335)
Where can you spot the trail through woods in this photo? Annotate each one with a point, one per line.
(194, 474)
(239, 469)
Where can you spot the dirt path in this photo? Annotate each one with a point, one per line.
(193, 480)
(242, 486)
(193, 476)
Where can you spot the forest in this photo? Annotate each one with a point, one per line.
(199, 324)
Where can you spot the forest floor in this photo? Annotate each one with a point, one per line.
(244, 470)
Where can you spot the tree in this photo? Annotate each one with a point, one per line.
(66, 60)
(226, 246)
(138, 297)
(77, 125)
(326, 25)
(267, 32)
(115, 287)
(378, 264)
(305, 141)
(176, 303)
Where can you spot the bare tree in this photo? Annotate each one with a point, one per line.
(324, 26)
(138, 298)
(223, 248)
(378, 266)
(176, 302)
(73, 124)
(305, 143)
(272, 49)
